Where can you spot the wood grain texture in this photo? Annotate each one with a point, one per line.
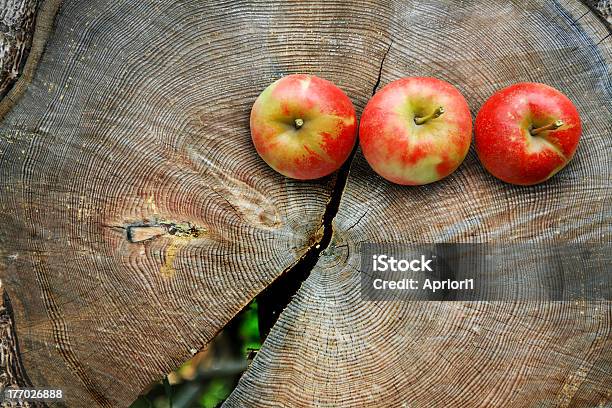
(330, 348)
(138, 116)
(137, 120)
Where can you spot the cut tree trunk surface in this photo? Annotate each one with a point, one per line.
(136, 218)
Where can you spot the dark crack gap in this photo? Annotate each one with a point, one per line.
(277, 296)
(380, 69)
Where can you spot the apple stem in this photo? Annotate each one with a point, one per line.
(299, 123)
(552, 126)
(420, 120)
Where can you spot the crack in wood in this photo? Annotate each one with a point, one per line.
(602, 40)
(302, 267)
(275, 298)
(602, 10)
(382, 63)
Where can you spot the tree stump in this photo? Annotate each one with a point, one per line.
(136, 218)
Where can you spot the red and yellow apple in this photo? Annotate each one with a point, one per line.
(526, 133)
(416, 131)
(303, 126)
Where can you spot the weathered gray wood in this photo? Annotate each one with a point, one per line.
(12, 374)
(16, 28)
(27, 24)
(603, 7)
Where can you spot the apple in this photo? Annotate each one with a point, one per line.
(415, 131)
(303, 126)
(526, 133)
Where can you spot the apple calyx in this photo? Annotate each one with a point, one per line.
(298, 123)
(423, 119)
(552, 126)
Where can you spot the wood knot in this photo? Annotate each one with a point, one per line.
(144, 232)
(336, 253)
